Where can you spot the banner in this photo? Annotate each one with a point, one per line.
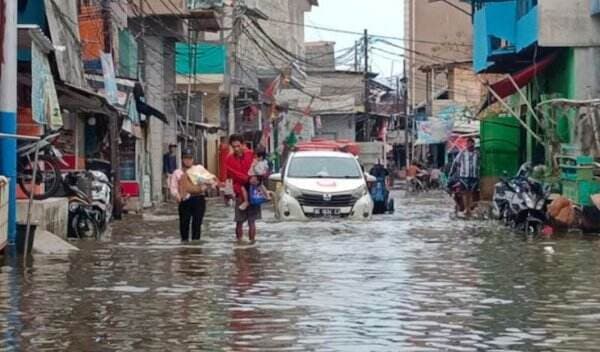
(434, 131)
(44, 100)
(110, 81)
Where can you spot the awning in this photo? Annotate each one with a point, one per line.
(506, 88)
(78, 99)
(28, 33)
(145, 109)
(211, 128)
(124, 88)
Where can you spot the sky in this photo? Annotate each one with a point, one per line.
(382, 17)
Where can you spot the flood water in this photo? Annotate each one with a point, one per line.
(413, 281)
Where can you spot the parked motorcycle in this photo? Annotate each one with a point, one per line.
(48, 171)
(85, 219)
(521, 202)
(102, 197)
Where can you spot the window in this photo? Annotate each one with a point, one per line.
(524, 6)
(499, 43)
(324, 167)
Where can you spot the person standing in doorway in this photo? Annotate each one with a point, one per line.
(169, 167)
(466, 167)
(237, 164)
(190, 198)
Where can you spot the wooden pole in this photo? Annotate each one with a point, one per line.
(507, 107)
(30, 202)
(531, 110)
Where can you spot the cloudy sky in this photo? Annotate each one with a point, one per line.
(383, 17)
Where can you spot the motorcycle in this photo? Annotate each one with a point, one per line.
(84, 218)
(419, 183)
(48, 170)
(101, 197)
(521, 202)
(504, 192)
(381, 197)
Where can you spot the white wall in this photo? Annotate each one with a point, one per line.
(155, 89)
(338, 127)
(587, 72)
(567, 23)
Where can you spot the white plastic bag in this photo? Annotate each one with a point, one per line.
(199, 175)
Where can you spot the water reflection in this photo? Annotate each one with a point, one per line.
(412, 281)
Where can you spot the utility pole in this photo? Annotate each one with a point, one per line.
(356, 56)
(406, 118)
(233, 66)
(142, 47)
(366, 78)
(115, 160)
(192, 68)
(366, 72)
(8, 111)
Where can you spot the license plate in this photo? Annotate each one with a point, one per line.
(327, 211)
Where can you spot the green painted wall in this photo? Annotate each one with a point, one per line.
(560, 79)
(210, 58)
(128, 55)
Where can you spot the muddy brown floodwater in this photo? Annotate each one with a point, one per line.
(412, 281)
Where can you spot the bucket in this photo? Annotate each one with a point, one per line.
(21, 233)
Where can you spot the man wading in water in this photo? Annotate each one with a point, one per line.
(190, 198)
(238, 163)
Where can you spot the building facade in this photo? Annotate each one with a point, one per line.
(436, 32)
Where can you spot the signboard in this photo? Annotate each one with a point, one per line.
(434, 131)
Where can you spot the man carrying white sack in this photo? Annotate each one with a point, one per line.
(188, 186)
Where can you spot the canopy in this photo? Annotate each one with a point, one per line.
(506, 88)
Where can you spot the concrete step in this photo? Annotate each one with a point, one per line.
(51, 215)
(49, 244)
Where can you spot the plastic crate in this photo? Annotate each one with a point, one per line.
(576, 168)
(569, 149)
(580, 191)
(577, 173)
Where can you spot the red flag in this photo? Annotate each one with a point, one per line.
(308, 108)
(273, 87)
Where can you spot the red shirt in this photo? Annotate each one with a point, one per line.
(237, 169)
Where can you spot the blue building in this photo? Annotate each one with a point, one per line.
(505, 33)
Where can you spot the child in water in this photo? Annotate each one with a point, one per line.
(258, 173)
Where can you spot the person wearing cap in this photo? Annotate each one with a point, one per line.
(169, 165)
(190, 198)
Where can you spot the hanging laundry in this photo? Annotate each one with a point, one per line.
(110, 81)
(318, 122)
(44, 100)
